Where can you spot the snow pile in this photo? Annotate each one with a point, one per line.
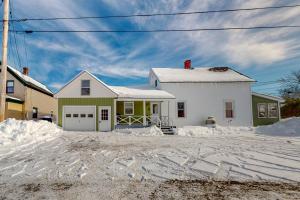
(12, 131)
(286, 127)
(149, 131)
(195, 131)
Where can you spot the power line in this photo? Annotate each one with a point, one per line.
(156, 14)
(14, 37)
(156, 30)
(259, 84)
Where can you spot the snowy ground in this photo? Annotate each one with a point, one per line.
(75, 165)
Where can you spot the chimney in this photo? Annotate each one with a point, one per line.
(187, 64)
(25, 71)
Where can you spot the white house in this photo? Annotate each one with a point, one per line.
(174, 98)
(202, 92)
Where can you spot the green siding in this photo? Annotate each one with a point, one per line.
(138, 108)
(261, 121)
(86, 102)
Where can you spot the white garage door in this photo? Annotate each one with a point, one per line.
(79, 118)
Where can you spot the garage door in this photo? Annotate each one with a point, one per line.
(79, 118)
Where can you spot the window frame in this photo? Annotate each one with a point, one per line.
(276, 105)
(184, 109)
(13, 87)
(85, 87)
(129, 102)
(267, 110)
(233, 108)
(156, 83)
(36, 113)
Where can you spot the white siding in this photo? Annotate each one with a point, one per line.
(207, 99)
(73, 89)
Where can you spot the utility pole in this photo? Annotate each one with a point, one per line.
(4, 59)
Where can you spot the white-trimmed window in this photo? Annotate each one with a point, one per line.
(273, 110)
(181, 109)
(156, 83)
(229, 109)
(10, 86)
(262, 110)
(85, 87)
(128, 108)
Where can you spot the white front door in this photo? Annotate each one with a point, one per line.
(79, 118)
(155, 110)
(104, 118)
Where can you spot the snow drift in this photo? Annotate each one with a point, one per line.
(286, 127)
(195, 131)
(12, 131)
(149, 131)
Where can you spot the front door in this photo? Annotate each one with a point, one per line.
(104, 118)
(155, 110)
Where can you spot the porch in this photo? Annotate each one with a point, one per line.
(141, 107)
(141, 113)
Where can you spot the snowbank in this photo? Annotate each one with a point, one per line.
(14, 131)
(195, 131)
(286, 127)
(149, 131)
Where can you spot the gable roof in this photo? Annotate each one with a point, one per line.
(281, 100)
(201, 74)
(92, 75)
(141, 93)
(29, 82)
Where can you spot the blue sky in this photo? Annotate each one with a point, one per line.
(125, 58)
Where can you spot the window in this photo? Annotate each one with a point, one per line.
(155, 108)
(85, 87)
(82, 115)
(156, 83)
(10, 86)
(180, 109)
(68, 115)
(262, 110)
(128, 108)
(34, 113)
(75, 115)
(104, 114)
(229, 109)
(273, 111)
(90, 115)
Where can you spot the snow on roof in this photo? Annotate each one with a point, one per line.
(13, 98)
(202, 74)
(141, 93)
(268, 97)
(30, 80)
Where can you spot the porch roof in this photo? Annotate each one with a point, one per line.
(141, 93)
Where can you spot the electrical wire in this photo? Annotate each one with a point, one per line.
(15, 37)
(156, 14)
(157, 30)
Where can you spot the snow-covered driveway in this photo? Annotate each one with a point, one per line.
(99, 158)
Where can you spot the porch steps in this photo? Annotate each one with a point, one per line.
(167, 130)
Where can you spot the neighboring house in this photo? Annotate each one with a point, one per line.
(175, 97)
(266, 109)
(26, 97)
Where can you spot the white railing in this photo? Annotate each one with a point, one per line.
(139, 120)
(129, 120)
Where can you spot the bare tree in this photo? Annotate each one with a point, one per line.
(290, 85)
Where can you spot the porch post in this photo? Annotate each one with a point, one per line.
(169, 113)
(144, 113)
(115, 112)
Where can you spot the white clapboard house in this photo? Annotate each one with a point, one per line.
(175, 97)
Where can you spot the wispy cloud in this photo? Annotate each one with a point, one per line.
(56, 56)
